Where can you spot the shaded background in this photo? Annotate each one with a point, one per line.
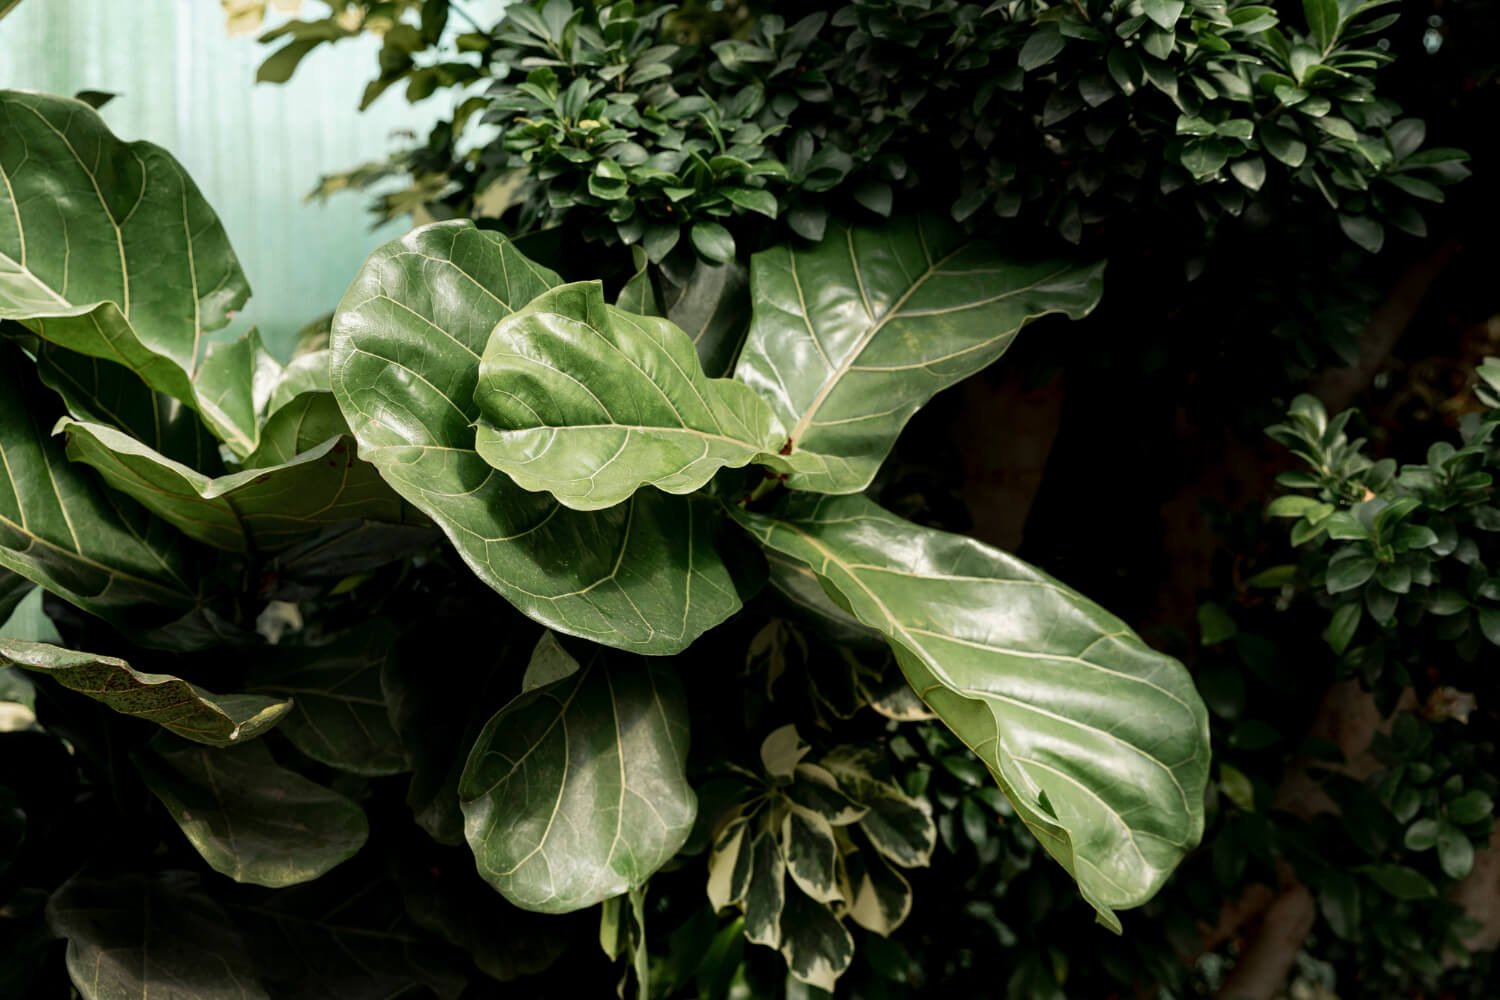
(254, 149)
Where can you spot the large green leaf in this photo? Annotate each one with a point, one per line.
(254, 510)
(339, 716)
(249, 817)
(107, 248)
(849, 339)
(1100, 742)
(62, 532)
(406, 344)
(575, 791)
(135, 937)
(345, 936)
(102, 392)
(170, 702)
(589, 403)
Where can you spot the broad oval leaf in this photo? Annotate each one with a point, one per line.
(61, 531)
(849, 339)
(340, 715)
(818, 948)
(646, 415)
(1100, 742)
(249, 817)
(575, 792)
(107, 248)
(170, 702)
(150, 936)
(406, 343)
(260, 509)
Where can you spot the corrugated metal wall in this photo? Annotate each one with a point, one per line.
(254, 149)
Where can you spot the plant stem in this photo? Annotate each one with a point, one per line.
(642, 956)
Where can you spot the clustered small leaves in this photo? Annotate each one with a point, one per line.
(1065, 115)
(1405, 548)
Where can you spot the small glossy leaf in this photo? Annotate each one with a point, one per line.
(849, 339)
(781, 751)
(250, 818)
(815, 789)
(575, 792)
(646, 416)
(729, 865)
(1400, 881)
(406, 343)
(811, 855)
(881, 897)
(816, 945)
(174, 704)
(1100, 743)
(713, 241)
(1455, 852)
(141, 936)
(898, 825)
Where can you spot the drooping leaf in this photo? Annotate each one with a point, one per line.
(765, 896)
(1099, 742)
(174, 704)
(62, 532)
(880, 896)
(405, 361)
(107, 248)
(255, 510)
(249, 817)
(144, 936)
(729, 864)
(709, 303)
(575, 793)
(589, 403)
(816, 945)
(339, 714)
(100, 392)
(849, 339)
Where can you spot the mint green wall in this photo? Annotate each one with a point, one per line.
(254, 149)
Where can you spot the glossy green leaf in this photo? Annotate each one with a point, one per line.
(174, 704)
(1100, 742)
(250, 818)
(339, 715)
(1400, 881)
(589, 403)
(140, 936)
(849, 339)
(62, 532)
(405, 361)
(575, 791)
(107, 248)
(255, 510)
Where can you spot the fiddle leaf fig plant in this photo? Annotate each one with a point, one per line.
(581, 414)
(268, 536)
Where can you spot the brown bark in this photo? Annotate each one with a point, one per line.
(1479, 895)
(1338, 387)
(1009, 431)
(1263, 966)
(1348, 717)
